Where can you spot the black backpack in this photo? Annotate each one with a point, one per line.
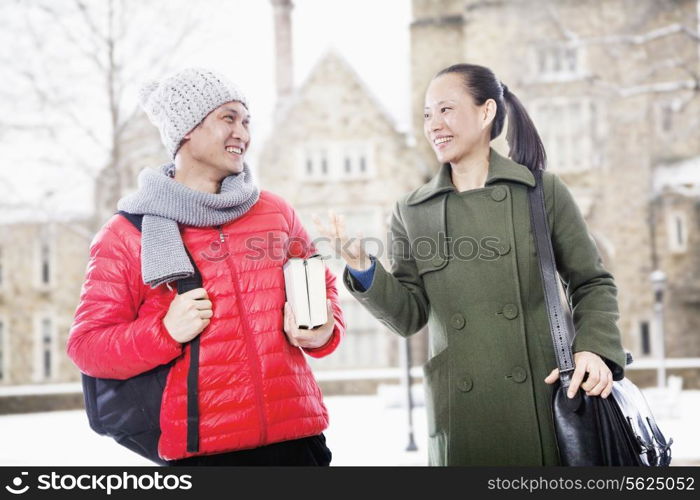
(129, 410)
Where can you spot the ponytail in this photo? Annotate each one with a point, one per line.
(525, 143)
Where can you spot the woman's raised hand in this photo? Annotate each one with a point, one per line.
(350, 249)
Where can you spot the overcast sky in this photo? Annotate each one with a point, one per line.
(236, 38)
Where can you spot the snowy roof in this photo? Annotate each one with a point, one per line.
(333, 56)
(682, 177)
(29, 214)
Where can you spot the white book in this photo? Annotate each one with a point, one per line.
(305, 285)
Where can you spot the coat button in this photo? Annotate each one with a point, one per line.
(519, 374)
(457, 321)
(499, 194)
(503, 248)
(437, 261)
(510, 311)
(465, 384)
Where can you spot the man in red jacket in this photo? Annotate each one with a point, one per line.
(258, 401)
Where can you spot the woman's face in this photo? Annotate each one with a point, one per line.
(454, 125)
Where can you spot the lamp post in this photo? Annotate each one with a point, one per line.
(658, 283)
(405, 359)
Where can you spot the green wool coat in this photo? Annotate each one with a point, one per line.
(465, 264)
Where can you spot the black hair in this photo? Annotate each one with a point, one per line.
(525, 143)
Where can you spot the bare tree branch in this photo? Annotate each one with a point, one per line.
(86, 129)
(162, 60)
(665, 64)
(90, 55)
(71, 163)
(651, 88)
(27, 126)
(636, 38)
(101, 38)
(659, 88)
(89, 21)
(126, 122)
(643, 38)
(675, 85)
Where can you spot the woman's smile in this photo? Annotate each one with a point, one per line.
(442, 142)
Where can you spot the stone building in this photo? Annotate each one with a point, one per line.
(675, 212)
(43, 258)
(42, 264)
(612, 87)
(334, 147)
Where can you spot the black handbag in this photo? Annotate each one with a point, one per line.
(618, 430)
(129, 410)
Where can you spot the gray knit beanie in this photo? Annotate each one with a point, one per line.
(179, 103)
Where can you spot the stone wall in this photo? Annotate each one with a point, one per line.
(25, 300)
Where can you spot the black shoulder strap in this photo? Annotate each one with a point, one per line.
(558, 326)
(185, 285)
(135, 219)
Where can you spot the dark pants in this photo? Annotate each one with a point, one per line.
(310, 451)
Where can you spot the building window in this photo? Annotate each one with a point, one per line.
(44, 264)
(677, 232)
(309, 166)
(567, 128)
(666, 118)
(645, 338)
(3, 367)
(355, 161)
(558, 63)
(315, 164)
(324, 164)
(46, 348)
(336, 160)
(666, 111)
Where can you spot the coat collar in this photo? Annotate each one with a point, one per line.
(500, 169)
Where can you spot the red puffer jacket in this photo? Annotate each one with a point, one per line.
(255, 388)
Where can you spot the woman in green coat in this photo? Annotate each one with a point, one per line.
(464, 262)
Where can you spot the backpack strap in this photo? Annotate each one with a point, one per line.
(135, 219)
(184, 285)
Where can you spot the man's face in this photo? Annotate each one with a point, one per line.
(221, 140)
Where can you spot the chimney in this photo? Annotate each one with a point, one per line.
(283, 48)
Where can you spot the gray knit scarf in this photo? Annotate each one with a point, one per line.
(165, 203)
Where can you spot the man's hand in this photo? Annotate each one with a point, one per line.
(188, 315)
(310, 339)
(599, 382)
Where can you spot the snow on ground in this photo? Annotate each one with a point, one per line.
(364, 430)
